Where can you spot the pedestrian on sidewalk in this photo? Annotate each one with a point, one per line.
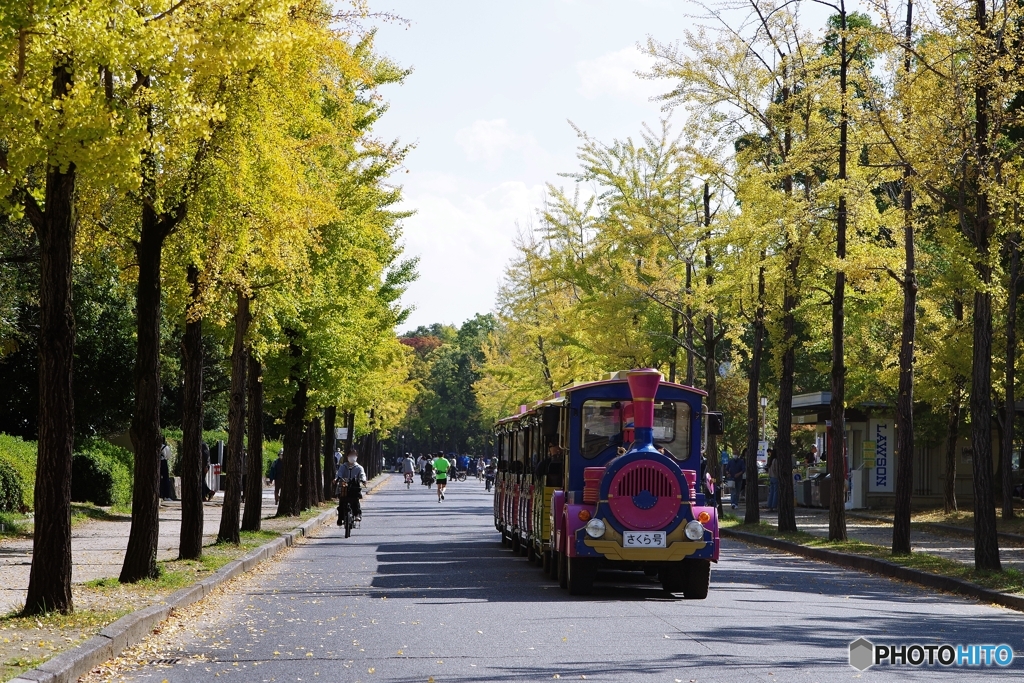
(274, 475)
(773, 481)
(207, 491)
(166, 485)
(736, 470)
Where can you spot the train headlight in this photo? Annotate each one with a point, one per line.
(694, 530)
(595, 528)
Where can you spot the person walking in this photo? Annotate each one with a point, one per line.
(275, 476)
(207, 491)
(354, 475)
(737, 469)
(166, 485)
(773, 481)
(441, 467)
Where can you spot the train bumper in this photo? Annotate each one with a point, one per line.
(677, 547)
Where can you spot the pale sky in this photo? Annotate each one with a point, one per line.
(487, 106)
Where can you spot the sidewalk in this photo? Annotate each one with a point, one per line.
(98, 547)
(814, 521)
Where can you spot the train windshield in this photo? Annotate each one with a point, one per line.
(607, 424)
(672, 428)
(602, 427)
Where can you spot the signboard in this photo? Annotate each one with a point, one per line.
(762, 452)
(341, 433)
(882, 467)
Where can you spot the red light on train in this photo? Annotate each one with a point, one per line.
(584, 515)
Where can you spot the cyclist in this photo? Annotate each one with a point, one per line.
(353, 473)
(441, 467)
(408, 468)
(489, 471)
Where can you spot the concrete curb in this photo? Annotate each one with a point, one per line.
(70, 665)
(950, 528)
(876, 566)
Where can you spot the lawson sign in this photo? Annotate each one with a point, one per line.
(881, 472)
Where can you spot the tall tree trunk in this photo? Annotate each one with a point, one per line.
(190, 539)
(350, 425)
(230, 513)
(753, 515)
(986, 544)
(784, 437)
(710, 347)
(311, 456)
(956, 399)
(49, 583)
(308, 453)
(952, 435)
(253, 515)
(1010, 406)
(140, 557)
(790, 299)
(674, 355)
(294, 421)
(690, 373)
(905, 399)
(318, 475)
(330, 441)
(837, 447)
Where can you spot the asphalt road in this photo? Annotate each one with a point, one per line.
(425, 592)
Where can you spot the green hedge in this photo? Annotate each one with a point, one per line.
(10, 488)
(101, 473)
(21, 457)
(99, 480)
(110, 451)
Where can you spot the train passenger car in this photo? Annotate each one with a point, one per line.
(609, 475)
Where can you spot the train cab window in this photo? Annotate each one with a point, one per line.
(602, 427)
(672, 428)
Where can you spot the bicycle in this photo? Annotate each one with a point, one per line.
(348, 520)
(408, 480)
(461, 475)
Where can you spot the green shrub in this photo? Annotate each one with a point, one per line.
(21, 456)
(99, 475)
(10, 488)
(110, 451)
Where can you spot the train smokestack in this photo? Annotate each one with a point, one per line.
(643, 385)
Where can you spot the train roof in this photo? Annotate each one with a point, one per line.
(562, 395)
(620, 377)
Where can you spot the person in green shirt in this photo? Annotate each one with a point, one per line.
(441, 472)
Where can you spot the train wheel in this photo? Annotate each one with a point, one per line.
(696, 576)
(504, 538)
(650, 572)
(545, 562)
(562, 570)
(531, 553)
(582, 573)
(673, 577)
(516, 543)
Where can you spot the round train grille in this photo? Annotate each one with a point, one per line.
(644, 495)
